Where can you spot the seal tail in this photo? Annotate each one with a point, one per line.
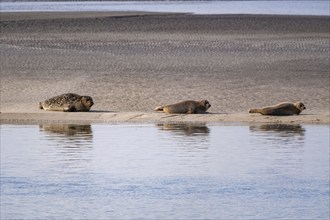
(255, 110)
(159, 108)
(40, 105)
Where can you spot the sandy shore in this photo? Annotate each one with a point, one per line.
(132, 62)
(143, 117)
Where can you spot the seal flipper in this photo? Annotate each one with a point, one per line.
(159, 108)
(256, 110)
(70, 108)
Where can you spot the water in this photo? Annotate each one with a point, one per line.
(294, 7)
(164, 171)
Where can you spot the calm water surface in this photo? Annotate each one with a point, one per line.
(187, 171)
(282, 7)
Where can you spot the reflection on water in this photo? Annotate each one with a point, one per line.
(69, 134)
(192, 136)
(185, 129)
(172, 171)
(282, 134)
(68, 129)
(283, 130)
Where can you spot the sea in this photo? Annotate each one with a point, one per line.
(264, 7)
(164, 171)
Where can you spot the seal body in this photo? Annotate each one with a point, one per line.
(284, 108)
(68, 102)
(186, 107)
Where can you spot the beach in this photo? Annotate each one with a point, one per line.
(132, 62)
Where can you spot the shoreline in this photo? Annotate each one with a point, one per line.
(145, 117)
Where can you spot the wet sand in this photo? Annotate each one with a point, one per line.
(132, 62)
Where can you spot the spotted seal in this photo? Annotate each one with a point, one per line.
(284, 108)
(68, 102)
(186, 107)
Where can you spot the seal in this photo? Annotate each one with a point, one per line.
(284, 108)
(68, 102)
(186, 107)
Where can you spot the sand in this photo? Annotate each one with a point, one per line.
(132, 62)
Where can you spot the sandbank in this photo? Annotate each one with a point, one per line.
(132, 62)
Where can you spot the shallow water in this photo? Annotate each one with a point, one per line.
(286, 7)
(162, 171)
